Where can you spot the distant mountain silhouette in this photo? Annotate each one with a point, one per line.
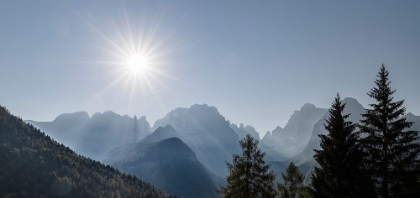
(416, 122)
(206, 132)
(33, 165)
(242, 131)
(93, 137)
(160, 134)
(210, 136)
(416, 119)
(65, 127)
(168, 164)
(353, 107)
(296, 134)
(305, 157)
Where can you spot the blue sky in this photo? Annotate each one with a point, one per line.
(256, 61)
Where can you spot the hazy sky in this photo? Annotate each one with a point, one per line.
(256, 61)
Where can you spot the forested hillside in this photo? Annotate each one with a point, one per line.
(34, 165)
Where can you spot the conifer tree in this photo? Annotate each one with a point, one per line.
(392, 152)
(340, 159)
(249, 176)
(293, 183)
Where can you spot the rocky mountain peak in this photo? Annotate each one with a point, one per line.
(81, 115)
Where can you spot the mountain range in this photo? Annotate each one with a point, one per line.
(295, 135)
(207, 132)
(211, 140)
(242, 131)
(305, 160)
(96, 135)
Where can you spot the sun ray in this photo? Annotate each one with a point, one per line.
(154, 94)
(135, 55)
(110, 41)
(116, 81)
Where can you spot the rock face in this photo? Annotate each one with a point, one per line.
(206, 132)
(242, 131)
(295, 135)
(168, 164)
(93, 137)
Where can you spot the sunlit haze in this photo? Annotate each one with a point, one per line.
(256, 61)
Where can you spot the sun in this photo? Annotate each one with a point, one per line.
(137, 63)
(138, 58)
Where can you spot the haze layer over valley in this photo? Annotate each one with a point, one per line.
(210, 139)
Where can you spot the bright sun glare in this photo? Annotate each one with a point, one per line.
(138, 57)
(137, 63)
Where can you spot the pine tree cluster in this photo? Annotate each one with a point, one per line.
(381, 159)
(377, 158)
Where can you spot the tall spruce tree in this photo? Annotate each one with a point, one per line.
(293, 183)
(340, 171)
(392, 152)
(249, 176)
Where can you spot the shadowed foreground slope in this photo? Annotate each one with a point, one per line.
(33, 165)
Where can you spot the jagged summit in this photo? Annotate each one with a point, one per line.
(278, 128)
(305, 157)
(243, 130)
(350, 99)
(108, 112)
(82, 115)
(297, 132)
(203, 106)
(352, 103)
(267, 135)
(307, 106)
(165, 128)
(94, 136)
(409, 114)
(161, 133)
(201, 110)
(204, 129)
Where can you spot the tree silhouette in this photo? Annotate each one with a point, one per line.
(249, 176)
(392, 152)
(340, 171)
(293, 183)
